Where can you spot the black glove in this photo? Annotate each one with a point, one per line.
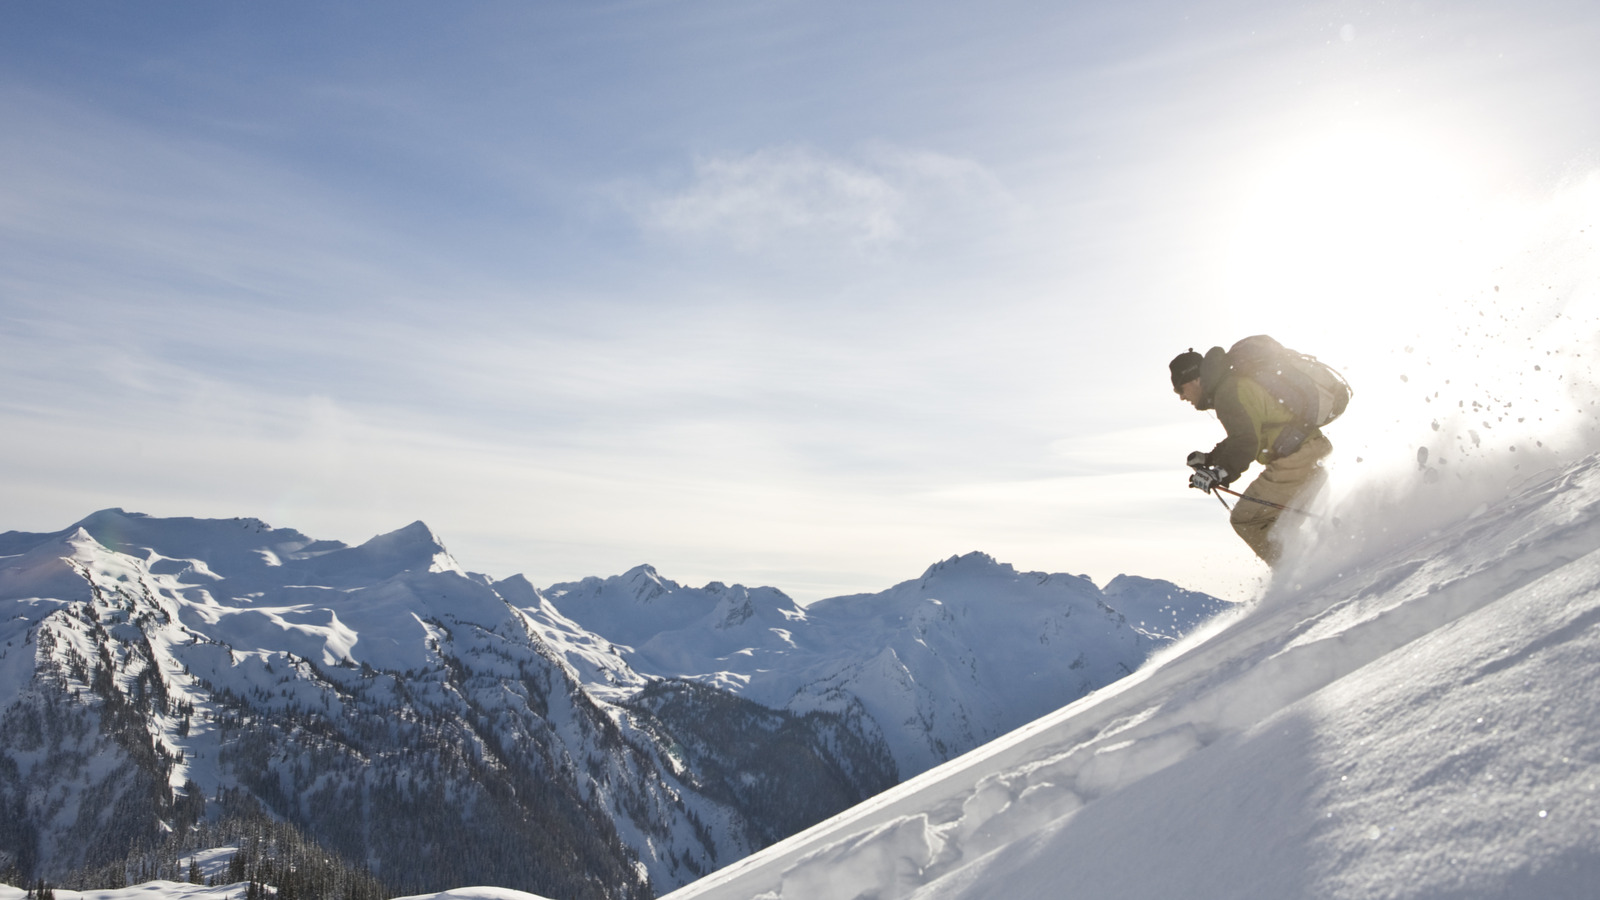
(1197, 459)
(1207, 477)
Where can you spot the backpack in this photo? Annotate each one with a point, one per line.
(1310, 388)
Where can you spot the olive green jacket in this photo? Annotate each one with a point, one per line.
(1255, 420)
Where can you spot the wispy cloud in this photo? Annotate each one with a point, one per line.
(879, 198)
(773, 193)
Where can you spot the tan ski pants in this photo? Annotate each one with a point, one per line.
(1296, 477)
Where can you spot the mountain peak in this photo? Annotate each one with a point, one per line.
(972, 563)
(646, 583)
(110, 513)
(112, 523)
(417, 534)
(80, 535)
(44, 571)
(412, 548)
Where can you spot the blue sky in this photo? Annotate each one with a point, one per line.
(801, 294)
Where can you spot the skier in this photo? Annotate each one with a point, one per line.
(1264, 425)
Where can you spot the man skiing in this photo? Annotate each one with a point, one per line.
(1265, 425)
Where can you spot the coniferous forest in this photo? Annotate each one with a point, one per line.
(268, 857)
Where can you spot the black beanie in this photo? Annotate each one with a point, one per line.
(1185, 368)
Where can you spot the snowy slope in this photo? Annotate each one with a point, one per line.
(1414, 721)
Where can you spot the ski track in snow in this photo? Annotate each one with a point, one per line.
(1255, 760)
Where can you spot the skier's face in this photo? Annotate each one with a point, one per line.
(1190, 392)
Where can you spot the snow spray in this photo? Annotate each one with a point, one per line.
(1491, 387)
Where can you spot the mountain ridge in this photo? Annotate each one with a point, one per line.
(215, 665)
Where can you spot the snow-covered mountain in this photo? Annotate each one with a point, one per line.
(606, 738)
(376, 694)
(1410, 712)
(941, 664)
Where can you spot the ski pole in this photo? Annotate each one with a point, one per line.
(1302, 512)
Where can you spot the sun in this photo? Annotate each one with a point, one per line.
(1347, 244)
(1350, 225)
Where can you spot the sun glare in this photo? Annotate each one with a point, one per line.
(1466, 319)
(1350, 228)
(1345, 243)
(1462, 315)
